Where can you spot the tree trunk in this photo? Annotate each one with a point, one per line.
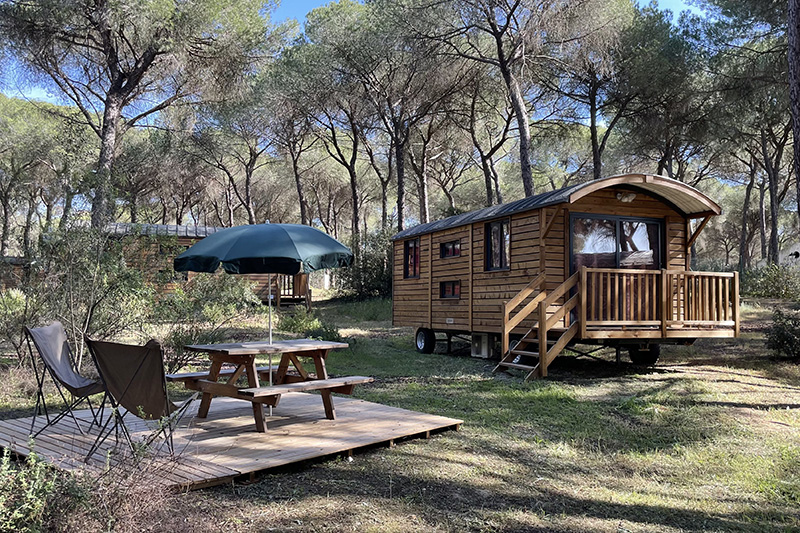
(774, 201)
(69, 198)
(745, 207)
(521, 114)
(487, 179)
(4, 232)
(421, 171)
(134, 208)
(762, 218)
(103, 203)
(794, 86)
(26, 232)
(248, 190)
(597, 165)
(301, 197)
(384, 204)
(496, 179)
(400, 164)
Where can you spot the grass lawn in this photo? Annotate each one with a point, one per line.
(709, 440)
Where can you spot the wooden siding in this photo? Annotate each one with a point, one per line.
(411, 302)
(480, 307)
(450, 313)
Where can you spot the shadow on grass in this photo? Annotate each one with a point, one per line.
(620, 419)
(469, 506)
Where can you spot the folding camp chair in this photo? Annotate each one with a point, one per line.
(134, 378)
(53, 348)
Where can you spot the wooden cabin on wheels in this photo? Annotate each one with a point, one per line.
(602, 263)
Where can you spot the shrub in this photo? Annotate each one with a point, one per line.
(308, 324)
(201, 311)
(16, 310)
(373, 277)
(24, 493)
(772, 281)
(91, 281)
(784, 334)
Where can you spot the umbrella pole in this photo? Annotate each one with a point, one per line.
(269, 283)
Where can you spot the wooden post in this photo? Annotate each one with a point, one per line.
(543, 338)
(505, 329)
(736, 304)
(666, 295)
(582, 301)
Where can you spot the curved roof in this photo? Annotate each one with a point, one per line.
(686, 199)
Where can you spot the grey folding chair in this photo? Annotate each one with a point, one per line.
(54, 351)
(135, 381)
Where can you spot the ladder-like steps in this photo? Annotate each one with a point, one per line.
(525, 353)
(518, 366)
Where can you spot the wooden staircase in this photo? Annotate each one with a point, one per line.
(544, 341)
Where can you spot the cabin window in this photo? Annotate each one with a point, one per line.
(498, 245)
(615, 242)
(411, 259)
(450, 289)
(450, 249)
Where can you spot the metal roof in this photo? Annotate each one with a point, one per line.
(685, 198)
(195, 232)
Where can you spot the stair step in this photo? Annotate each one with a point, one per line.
(516, 365)
(525, 353)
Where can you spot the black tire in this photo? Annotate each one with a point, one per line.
(645, 355)
(425, 340)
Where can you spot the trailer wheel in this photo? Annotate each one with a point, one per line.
(425, 340)
(645, 355)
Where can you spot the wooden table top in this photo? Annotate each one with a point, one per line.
(264, 347)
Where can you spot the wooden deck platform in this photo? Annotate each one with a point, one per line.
(225, 446)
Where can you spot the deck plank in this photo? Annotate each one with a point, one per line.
(225, 445)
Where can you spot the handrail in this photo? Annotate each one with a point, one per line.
(562, 289)
(524, 312)
(545, 323)
(561, 343)
(509, 322)
(524, 293)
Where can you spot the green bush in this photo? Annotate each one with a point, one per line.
(16, 310)
(25, 491)
(200, 311)
(772, 281)
(308, 324)
(373, 277)
(784, 334)
(93, 282)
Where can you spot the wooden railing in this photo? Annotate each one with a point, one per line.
(286, 286)
(510, 322)
(702, 299)
(562, 313)
(664, 299)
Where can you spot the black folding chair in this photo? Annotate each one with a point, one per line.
(134, 378)
(53, 348)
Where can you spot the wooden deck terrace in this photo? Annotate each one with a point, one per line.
(225, 447)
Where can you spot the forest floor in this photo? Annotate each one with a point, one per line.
(708, 440)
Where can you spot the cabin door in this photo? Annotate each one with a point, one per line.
(613, 244)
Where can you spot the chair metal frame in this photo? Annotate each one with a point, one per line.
(69, 406)
(167, 424)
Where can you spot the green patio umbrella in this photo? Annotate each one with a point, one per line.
(265, 249)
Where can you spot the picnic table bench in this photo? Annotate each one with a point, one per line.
(242, 357)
